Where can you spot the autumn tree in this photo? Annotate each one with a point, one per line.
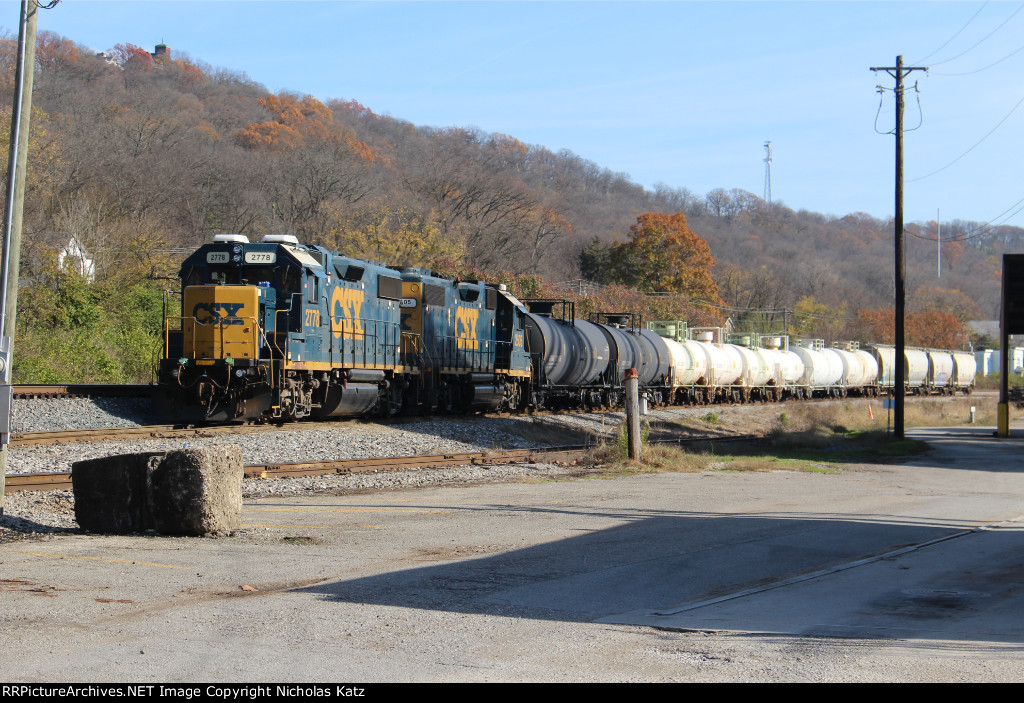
(952, 251)
(664, 255)
(812, 318)
(933, 329)
(876, 325)
(929, 298)
(401, 237)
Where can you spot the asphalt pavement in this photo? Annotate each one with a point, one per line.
(890, 572)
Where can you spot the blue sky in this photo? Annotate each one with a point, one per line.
(683, 93)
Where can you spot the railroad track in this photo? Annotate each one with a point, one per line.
(62, 481)
(81, 390)
(23, 439)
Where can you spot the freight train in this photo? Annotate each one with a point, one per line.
(275, 330)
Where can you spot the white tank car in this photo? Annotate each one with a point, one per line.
(688, 363)
(859, 369)
(723, 368)
(915, 366)
(822, 372)
(870, 366)
(754, 369)
(885, 356)
(785, 366)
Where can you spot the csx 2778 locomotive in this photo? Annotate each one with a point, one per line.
(277, 330)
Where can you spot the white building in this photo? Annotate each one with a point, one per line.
(988, 360)
(74, 257)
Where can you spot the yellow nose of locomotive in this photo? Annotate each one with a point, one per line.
(220, 322)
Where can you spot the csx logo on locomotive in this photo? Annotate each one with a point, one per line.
(465, 327)
(347, 311)
(217, 313)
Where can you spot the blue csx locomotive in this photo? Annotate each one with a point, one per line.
(275, 329)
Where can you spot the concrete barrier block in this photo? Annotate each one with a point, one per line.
(183, 492)
(111, 493)
(195, 491)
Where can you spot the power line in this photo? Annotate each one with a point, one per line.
(911, 180)
(983, 39)
(954, 36)
(981, 230)
(983, 68)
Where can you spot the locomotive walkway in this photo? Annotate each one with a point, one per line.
(878, 572)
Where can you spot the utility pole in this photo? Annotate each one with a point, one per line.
(768, 172)
(898, 72)
(13, 210)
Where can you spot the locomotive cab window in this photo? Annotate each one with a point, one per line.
(290, 280)
(194, 277)
(255, 275)
(311, 287)
(224, 276)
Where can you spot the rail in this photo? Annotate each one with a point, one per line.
(62, 480)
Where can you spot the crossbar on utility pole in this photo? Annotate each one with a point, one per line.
(899, 383)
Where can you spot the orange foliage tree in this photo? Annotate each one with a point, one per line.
(298, 122)
(132, 56)
(933, 328)
(936, 329)
(54, 51)
(664, 255)
(877, 325)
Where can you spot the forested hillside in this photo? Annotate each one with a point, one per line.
(140, 159)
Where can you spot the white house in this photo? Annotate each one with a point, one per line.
(74, 257)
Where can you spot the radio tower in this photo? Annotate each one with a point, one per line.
(768, 172)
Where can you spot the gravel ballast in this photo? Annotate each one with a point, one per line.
(347, 439)
(46, 511)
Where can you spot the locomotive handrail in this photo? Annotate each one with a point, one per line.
(343, 329)
(415, 346)
(458, 352)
